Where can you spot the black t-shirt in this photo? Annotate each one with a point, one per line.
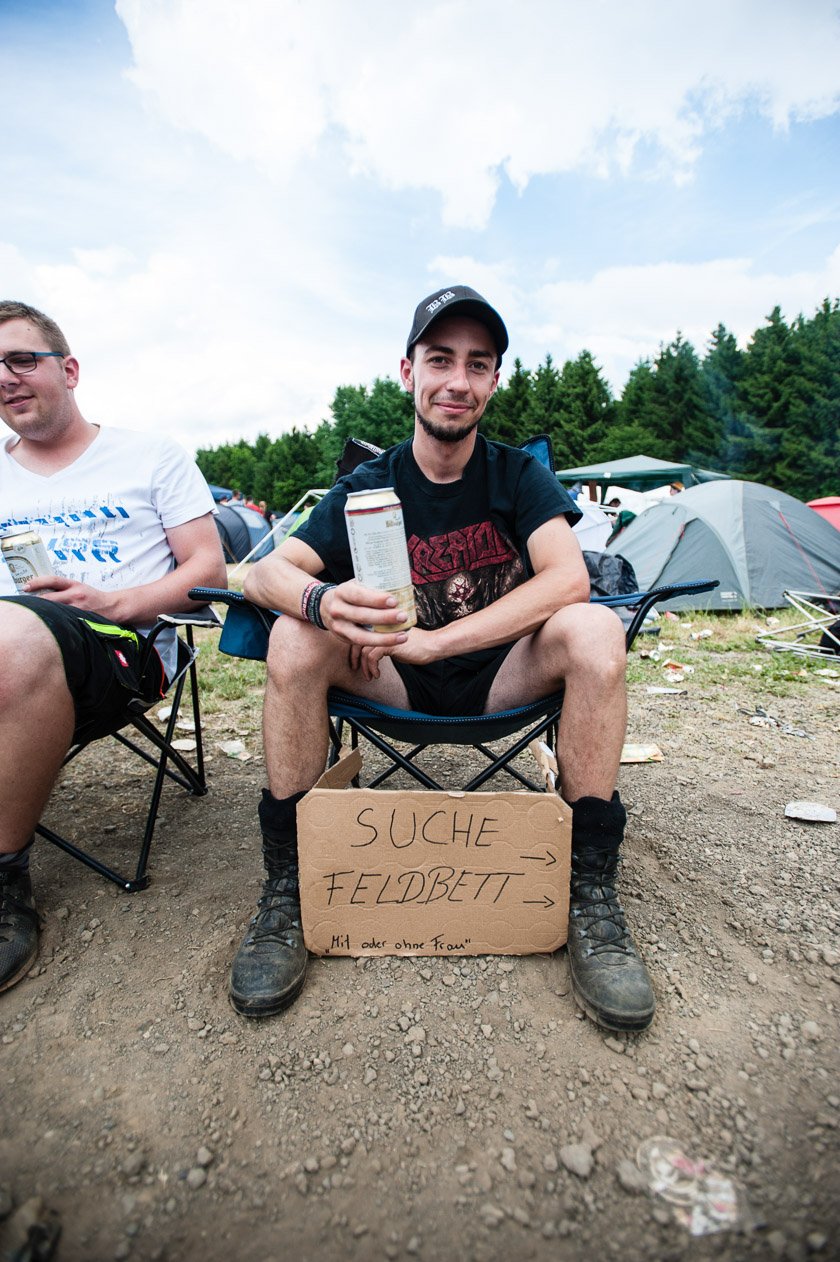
(467, 540)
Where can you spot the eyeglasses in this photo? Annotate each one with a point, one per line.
(19, 363)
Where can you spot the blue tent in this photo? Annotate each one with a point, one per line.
(219, 493)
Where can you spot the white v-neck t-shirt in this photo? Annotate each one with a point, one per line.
(103, 519)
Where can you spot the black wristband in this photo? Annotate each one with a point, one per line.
(313, 605)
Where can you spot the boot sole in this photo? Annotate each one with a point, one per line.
(269, 1007)
(607, 1021)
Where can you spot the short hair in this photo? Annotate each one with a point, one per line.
(55, 339)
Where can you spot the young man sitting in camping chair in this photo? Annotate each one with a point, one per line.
(504, 618)
(118, 511)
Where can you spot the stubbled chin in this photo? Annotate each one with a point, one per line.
(451, 432)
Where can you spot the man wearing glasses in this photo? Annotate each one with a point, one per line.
(117, 512)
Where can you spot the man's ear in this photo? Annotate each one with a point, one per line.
(407, 375)
(71, 372)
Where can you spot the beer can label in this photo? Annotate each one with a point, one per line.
(380, 554)
(25, 555)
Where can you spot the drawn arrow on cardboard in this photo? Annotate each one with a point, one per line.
(548, 858)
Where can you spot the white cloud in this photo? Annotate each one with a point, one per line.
(197, 352)
(624, 314)
(447, 97)
(221, 247)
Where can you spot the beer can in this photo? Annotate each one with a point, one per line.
(25, 555)
(379, 550)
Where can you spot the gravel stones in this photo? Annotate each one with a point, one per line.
(578, 1159)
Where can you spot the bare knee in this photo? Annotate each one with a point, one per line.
(298, 653)
(31, 658)
(590, 642)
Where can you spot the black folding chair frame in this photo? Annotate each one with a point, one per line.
(168, 762)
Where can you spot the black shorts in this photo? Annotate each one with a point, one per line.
(455, 685)
(102, 664)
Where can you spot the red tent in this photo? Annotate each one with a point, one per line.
(829, 508)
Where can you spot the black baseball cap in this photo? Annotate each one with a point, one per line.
(466, 302)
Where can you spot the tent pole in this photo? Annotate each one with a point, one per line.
(316, 491)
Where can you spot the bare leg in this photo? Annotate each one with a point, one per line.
(36, 722)
(303, 663)
(580, 647)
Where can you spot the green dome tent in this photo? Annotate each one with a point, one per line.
(757, 541)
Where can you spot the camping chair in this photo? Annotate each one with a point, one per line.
(245, 634)
(159, 750)
(820, 617)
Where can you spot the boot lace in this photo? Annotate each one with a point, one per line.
(596, 910)
(278, 911)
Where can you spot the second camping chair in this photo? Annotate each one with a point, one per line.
(160, 749)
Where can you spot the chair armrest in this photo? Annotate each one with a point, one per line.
(246, 627)
(221, 595)
(643, 602)
(206, 617)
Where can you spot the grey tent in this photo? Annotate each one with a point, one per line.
(241, 529)
(755, 540)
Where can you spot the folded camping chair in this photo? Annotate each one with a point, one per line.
(245, 634)
(817, 635)
(159, 750)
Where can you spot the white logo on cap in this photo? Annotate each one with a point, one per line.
(438, 302)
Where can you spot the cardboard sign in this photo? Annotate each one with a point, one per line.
(422, 873)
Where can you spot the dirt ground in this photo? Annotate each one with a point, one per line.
(456, 1108)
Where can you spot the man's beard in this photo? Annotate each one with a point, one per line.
(446, 433)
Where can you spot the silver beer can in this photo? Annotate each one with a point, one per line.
(380, 554)
(25, 555)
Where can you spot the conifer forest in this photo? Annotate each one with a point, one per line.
(769, 413)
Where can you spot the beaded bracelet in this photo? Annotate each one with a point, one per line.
(315, 604)
(305, 597)
(311, 603)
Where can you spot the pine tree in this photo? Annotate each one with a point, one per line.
(744, 446)
(685, 427)
(587, 411)
(771, 391)
(507, 416)
(809, 450)
(633, 434)
(546, 411)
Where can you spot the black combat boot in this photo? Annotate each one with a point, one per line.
(269, 969)
(19, 924)
(609, 980)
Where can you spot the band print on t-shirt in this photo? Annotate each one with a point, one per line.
(459, 572)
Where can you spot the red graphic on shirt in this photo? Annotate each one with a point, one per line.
(441, 556)
(459, 572)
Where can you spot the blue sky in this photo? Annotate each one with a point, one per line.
(233, 209)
